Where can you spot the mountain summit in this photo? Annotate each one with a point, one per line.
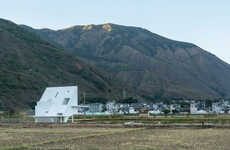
(154, 66)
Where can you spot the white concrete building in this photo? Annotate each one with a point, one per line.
(216, 108)
(132, 111)
(57, 104)
(155, 112)
(201, 112)
(95, 107)
(112, 107)
(172, 108)
(193, 108)
(155, 107)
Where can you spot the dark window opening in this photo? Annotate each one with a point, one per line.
(66, 101)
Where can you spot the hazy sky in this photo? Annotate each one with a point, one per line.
(202, 22)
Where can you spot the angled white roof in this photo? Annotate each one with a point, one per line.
(57, 101)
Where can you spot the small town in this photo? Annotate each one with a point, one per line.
(176, 107)
(58, 104)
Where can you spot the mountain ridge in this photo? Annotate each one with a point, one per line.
(96, 25)
(153, 65)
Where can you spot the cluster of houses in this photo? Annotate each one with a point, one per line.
(58, 104)
(182, 107)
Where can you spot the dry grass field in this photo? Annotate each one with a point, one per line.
(113, 139)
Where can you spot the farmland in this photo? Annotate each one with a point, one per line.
(172, 132)
(158, 119)
(86, 138)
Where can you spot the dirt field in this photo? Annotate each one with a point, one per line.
(114, 139)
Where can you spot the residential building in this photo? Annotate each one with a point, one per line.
(95, 107)
(193, 108)
(57, 104)
(112, 107)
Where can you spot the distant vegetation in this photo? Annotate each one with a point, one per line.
(128, 100)
(29, 64)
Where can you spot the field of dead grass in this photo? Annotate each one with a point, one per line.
(113, 139)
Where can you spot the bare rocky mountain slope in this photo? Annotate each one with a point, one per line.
(154, 66)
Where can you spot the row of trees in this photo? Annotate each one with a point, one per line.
(102, 100)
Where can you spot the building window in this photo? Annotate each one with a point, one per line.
(66, 101)
(60, 114)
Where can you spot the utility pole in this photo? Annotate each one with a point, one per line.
(84, 97)
(124, 94)
(77, 92)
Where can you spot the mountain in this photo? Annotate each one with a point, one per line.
(29, 64)
(154, 66)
